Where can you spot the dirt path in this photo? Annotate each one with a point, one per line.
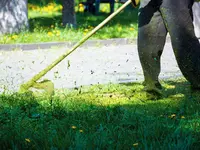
(90, 65)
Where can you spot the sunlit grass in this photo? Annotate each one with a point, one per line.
(45, 22)
(112, 116)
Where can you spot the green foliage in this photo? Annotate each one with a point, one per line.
(113, 116)
(45, 2)
(46, 26)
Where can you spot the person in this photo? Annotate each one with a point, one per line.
(157, 18)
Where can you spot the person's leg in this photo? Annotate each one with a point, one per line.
(151, 40)
(178, 18)
(97, 6)
(112, 5)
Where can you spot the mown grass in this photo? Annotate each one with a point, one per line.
(113, 116)
(46, 25)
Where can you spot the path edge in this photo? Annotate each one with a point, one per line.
(49, 45)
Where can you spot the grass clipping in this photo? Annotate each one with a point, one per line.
(47, 83)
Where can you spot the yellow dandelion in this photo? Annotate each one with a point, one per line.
(81, 9)
(80, 5)
(45, 9)
(73, 127)
(50, 8)
(81, 131)
(14, 37)
(131, 29)
(84, 33)
(170, 86)
(50, 33)
(28, 140)
(52, 26)
(172, 116)
(135, 144)
(182, 117)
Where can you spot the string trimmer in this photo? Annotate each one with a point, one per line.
(47, 85)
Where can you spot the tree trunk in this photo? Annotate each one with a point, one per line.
(196, 13)
(13, 16)
(68, 13)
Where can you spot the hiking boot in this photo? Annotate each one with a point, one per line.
(153, 92)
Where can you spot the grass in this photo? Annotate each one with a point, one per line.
(46, 25)
(113, 116)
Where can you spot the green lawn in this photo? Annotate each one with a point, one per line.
(113, 116)
(46, 26)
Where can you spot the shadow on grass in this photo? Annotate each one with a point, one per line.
(102, 117)
(85, 19)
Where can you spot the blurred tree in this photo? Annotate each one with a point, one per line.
(68, 13)
(13, 16)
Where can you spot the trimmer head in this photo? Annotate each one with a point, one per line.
(46, 85)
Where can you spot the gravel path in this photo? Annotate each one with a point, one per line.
(88, 65)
